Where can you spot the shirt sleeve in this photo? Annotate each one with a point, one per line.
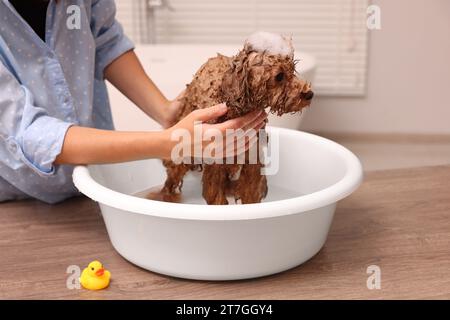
(110, 41)
(28, 135)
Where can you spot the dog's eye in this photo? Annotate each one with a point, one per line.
(279, 77)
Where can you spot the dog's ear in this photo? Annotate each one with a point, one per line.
(235, 89)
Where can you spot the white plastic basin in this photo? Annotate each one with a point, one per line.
(198, 241)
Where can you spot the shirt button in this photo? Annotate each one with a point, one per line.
(12, 146)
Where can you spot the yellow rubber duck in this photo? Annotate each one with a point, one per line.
(95, 277)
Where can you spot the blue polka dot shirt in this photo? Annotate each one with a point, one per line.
(47, 86)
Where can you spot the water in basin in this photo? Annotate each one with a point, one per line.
(192, 193)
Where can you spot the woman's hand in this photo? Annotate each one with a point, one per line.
(171, 111)
(200, 139)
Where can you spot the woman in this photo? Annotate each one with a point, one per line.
(54, 109)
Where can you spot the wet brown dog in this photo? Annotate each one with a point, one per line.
(254, 78)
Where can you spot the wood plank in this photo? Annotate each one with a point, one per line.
(398, 220)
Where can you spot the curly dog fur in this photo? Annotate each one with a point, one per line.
(249, 80)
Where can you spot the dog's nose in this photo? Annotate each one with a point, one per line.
(307, 95)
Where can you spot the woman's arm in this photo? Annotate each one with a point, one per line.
(88, 146)
(128, 76)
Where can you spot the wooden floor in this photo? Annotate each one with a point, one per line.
(398, 220)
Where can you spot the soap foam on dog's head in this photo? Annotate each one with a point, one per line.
(271, 43)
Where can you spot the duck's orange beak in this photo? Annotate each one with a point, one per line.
(100, 272)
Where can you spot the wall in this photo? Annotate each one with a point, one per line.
(409, 76)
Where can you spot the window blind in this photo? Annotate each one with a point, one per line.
(334, 31)
(133, 17)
